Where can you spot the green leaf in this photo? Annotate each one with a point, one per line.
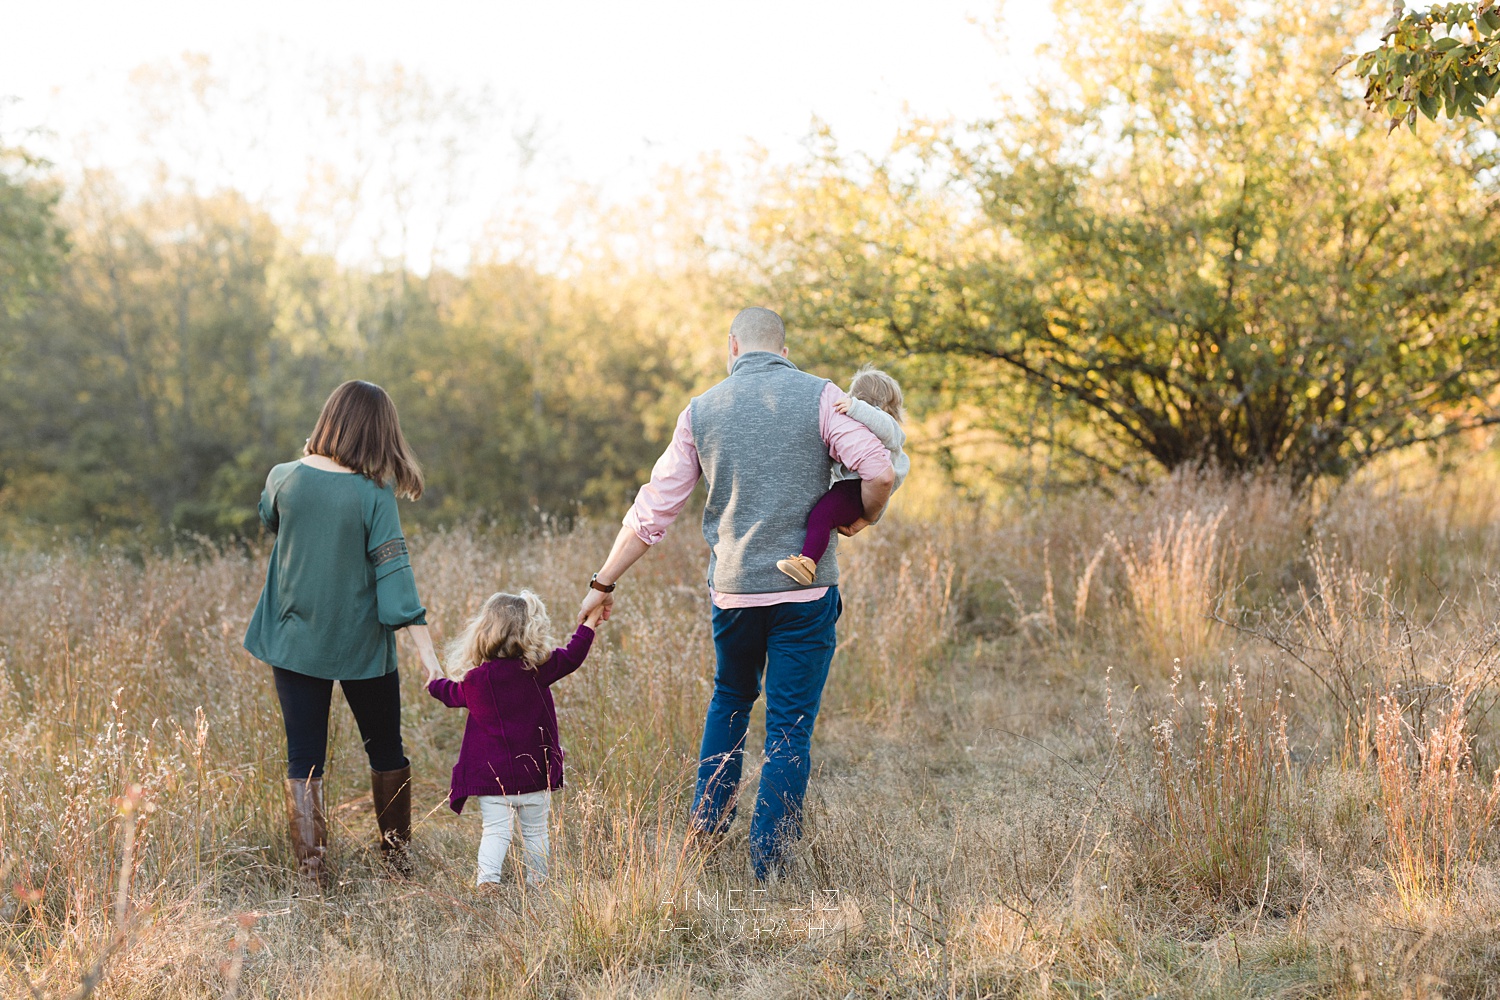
(1429, 105)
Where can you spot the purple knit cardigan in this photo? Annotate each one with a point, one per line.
(510, 743)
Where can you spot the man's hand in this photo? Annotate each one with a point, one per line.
(850, 530)
(595, 602)
(842, 404)
(627, 549)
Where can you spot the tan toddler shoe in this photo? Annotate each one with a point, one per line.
(799, 568)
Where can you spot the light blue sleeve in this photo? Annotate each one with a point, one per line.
(881, 423)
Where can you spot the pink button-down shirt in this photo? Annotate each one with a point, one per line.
(678, 471)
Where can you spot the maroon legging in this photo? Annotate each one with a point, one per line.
(840, 507)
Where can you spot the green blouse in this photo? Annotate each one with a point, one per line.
(340, 581)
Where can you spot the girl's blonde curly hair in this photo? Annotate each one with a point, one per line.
(875, 387)
(508, 627)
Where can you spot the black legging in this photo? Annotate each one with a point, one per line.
(305, 701)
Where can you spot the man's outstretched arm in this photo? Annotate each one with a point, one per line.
(656, 506)
(627, 549)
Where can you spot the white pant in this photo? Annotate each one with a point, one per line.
(497, 810)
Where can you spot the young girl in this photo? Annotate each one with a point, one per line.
(874, 400)
(511, 760)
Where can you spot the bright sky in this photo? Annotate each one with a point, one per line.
(615, 89)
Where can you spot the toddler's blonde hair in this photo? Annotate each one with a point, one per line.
(508, 627)
(879, 390)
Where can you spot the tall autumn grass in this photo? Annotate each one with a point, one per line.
(1220, 781)
(1439, 814)
(1173, 577)
(988, 816)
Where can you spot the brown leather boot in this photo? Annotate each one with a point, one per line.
(391, 791)
(309, 826)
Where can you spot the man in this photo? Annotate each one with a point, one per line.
(764, 440)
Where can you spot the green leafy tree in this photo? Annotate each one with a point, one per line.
(188, 344)
(1194, 248)
(146, 370)
(1443, 60)
(31, 241)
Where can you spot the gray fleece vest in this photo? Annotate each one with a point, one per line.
(765, 464)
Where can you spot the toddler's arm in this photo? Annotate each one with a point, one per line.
(881, 423)
(568, 659)
(450, 693)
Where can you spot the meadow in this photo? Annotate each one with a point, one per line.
(1210, 738)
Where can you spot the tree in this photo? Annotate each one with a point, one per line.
(187, 340)
(188, 344)
(1444, 60)
(31, 242)
(1194, 249)
(144, 372)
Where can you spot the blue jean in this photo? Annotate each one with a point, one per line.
(792, 646)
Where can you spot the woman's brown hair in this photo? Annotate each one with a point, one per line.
(359, 429)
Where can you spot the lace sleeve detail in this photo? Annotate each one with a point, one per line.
(394, 549)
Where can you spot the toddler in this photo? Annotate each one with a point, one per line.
(511, 758)
(874, 400)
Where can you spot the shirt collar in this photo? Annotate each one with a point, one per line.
(760, 361)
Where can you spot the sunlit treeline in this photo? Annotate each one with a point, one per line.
(1192, 245)
(184, 343)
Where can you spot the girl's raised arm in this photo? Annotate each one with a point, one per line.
(568, 659)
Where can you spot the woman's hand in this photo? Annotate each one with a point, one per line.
(426, 653)
(850, 530)
(595, 616)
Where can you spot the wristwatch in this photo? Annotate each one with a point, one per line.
(607, 588)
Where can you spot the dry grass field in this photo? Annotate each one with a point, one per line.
(1209, 740)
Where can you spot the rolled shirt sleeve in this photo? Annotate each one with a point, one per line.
(395, 585)
(673, 478)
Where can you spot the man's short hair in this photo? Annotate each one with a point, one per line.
(758, 329)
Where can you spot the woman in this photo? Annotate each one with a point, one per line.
(338, 587)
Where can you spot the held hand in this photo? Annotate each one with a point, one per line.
(431, 668)
(842, 404)
(595, 602)
(426, 652)
(849, 531)
(595, 617)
